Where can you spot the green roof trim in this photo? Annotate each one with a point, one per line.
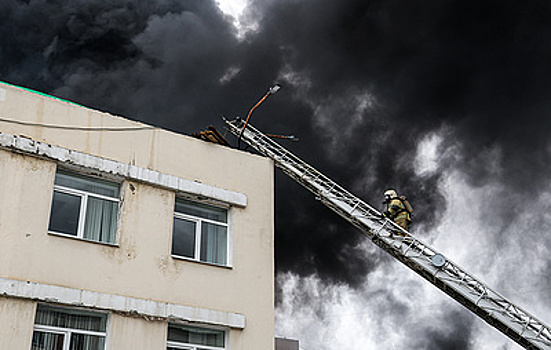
(42, 94)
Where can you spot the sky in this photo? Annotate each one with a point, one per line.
(446, 101)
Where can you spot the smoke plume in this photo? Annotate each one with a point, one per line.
(427, 97)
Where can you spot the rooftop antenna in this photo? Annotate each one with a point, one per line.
(271, 91)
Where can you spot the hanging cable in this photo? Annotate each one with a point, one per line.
(83, 128)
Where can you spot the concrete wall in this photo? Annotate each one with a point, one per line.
(141, 265)
(136, 333)
(16, 323)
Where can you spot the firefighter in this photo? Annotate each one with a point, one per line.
(396, 210)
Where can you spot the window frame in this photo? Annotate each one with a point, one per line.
(84, 199)
(198, 231)
(190, 346)
(68, 332)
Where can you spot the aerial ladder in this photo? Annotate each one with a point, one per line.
(426, 261)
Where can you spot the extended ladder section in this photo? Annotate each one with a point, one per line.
(493, 308)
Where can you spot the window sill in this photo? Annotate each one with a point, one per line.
(183, 258)
(114, 245)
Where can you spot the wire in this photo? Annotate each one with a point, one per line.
(86, 128)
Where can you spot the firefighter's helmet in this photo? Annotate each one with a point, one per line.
(389, 194)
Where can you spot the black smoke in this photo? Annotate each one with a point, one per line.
(480, 69)
(364, 82)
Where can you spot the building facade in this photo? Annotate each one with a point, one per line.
(117, 235)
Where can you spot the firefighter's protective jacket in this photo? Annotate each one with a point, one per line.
(397, 210)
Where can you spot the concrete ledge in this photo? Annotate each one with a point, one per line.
(111, 302)
(63, 155)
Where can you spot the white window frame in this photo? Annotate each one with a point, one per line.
(198, 231)
(188, 346)
(184, 346)
(84, 195)
(67, 332)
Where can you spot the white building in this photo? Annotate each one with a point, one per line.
(116, 235)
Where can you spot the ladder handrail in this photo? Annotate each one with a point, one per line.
(489, 305)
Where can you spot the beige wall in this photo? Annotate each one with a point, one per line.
(136, 333)
(141, 266)
(16, 323)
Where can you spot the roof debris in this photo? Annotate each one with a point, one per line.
(211, 135)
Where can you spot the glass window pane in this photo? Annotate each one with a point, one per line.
(86, 342)
(88, 184)
(101, 220)
(197, 336)
(47, 316)
(47, 341)
(183, 240)
(65, 213)
(201, 210)
(213, 243)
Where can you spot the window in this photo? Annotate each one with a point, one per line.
(200, 232)
(84, 207)
(192, 338)
(64, 329)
